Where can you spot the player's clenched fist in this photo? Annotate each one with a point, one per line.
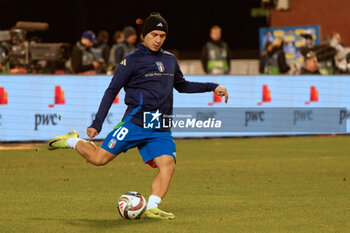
(221, 91)
(91, 132)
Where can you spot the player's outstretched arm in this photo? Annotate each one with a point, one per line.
(221, 91)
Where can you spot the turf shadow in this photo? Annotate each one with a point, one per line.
(98, 223)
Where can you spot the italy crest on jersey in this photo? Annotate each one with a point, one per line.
(112, 143)
(160, 66)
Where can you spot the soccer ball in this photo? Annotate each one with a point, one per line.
(131, 205)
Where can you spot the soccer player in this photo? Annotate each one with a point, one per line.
(148, 76)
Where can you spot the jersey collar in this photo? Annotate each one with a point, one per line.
(146, 50)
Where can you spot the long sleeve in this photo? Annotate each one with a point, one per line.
(119, 79)
(183, 86)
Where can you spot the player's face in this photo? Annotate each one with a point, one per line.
(154, 40)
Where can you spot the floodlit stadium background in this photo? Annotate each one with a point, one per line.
(231, 180)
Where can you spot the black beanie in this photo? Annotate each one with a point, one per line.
(154, 22)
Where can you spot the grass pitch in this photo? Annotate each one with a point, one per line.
(287, 184)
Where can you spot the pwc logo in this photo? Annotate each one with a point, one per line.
(313, 95)
(266, 94)
(3, 96)
(45, 119)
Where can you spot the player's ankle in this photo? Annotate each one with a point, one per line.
(72, 142)
(153, 201)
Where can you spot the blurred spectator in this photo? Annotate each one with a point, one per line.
(216, 54)
(83, 60)
(121, 49)
(4, 58)
(273, 59)
(311, 64)
(118, 37)
(342, 57)
(336, 42)
(101, 50)
(307, 38)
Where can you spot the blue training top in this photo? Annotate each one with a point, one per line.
(148, 79)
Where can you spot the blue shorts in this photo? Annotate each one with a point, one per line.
(151, 143)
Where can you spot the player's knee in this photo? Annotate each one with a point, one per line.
(171, 166)
(166, 163)
(171, 163)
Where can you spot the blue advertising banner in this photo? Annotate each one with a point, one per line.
(37, 108)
